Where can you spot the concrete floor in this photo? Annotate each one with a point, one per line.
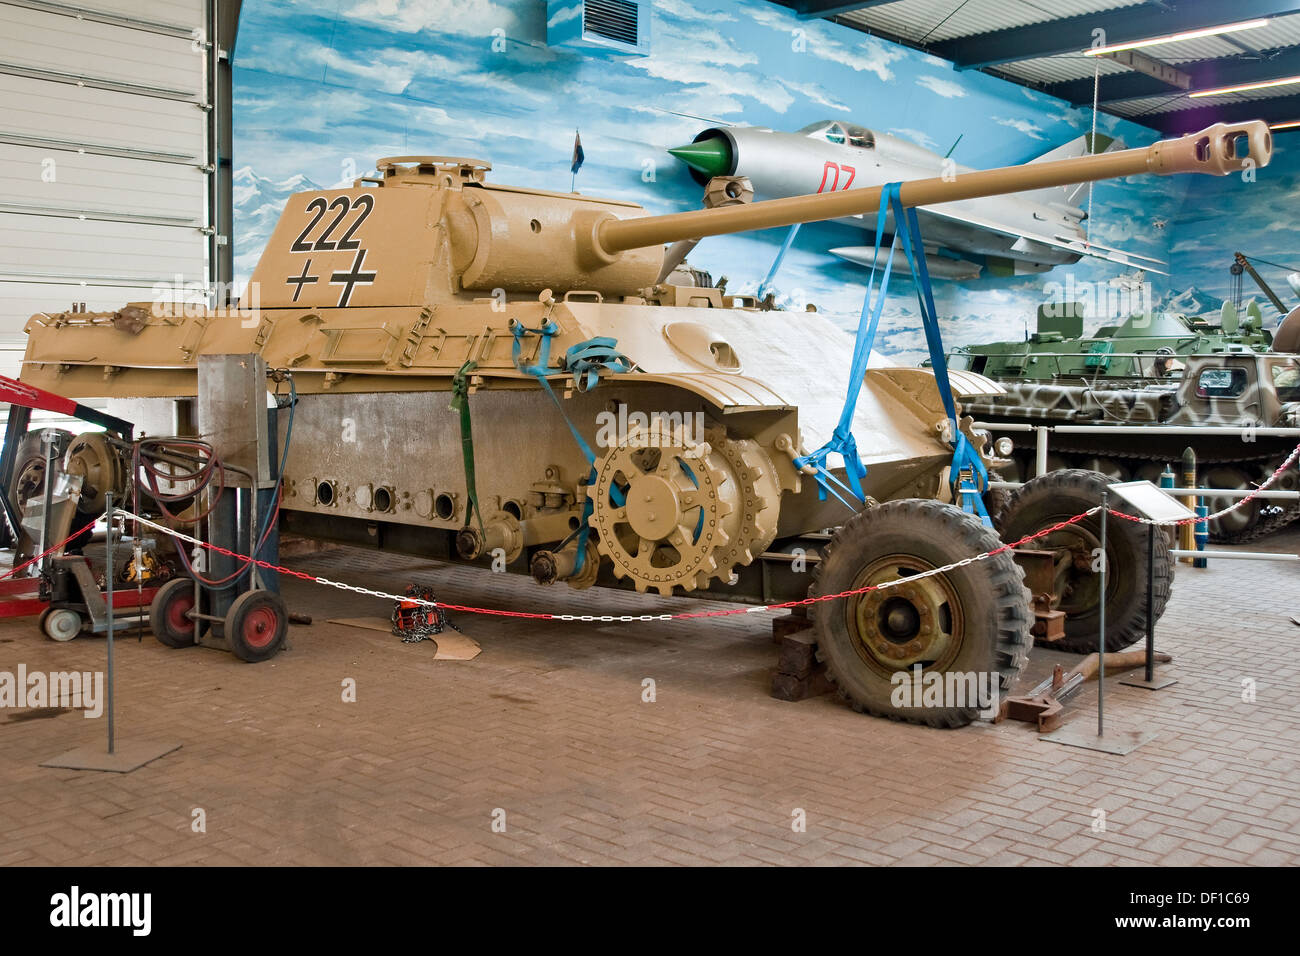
(547, 731)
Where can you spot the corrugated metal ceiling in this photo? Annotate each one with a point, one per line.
(933, 20)
(1057, 69)
(927, 22)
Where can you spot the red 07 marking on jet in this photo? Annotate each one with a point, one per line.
(835, 183)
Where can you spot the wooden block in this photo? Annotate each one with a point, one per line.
(792, 623)
(798, 654)
(789, 687)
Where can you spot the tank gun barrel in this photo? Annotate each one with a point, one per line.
(1217, 150)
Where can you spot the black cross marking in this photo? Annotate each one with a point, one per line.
(306, 278)
(354, 278)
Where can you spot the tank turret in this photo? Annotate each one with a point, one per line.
(454, 233)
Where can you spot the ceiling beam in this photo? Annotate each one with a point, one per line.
(1125, 25)
(1277, 109)
(1139, 62)
(822, 9)
(1206, 75)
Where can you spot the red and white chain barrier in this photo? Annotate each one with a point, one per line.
(724, 612)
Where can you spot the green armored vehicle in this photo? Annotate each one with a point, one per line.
(1154, 370)
(1148, 345)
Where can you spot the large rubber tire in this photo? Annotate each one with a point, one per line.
(996, 499)
(1058, 495)
(256, 625)
(985, 605)
(167, 614)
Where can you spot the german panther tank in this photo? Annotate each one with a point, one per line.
(1226, 379)
(624, 429)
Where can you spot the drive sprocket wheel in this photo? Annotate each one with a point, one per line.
(663, 507)
(760, 499)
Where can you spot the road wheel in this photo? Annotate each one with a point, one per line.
(973, 620)
(60, 623)
(255, 625)
(169, 614)
(1236, 524)
(1060, 495)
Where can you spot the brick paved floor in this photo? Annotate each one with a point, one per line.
(548, 726)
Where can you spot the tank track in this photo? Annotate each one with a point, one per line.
(1267, 523)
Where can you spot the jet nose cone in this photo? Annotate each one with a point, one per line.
(710, 157)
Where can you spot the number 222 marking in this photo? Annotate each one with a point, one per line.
(344, 205)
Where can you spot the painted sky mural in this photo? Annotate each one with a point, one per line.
(325, 87)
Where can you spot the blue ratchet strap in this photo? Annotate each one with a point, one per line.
(842, 441)
(765, 286)
(908, 228)
(584, 355)
(586, 359)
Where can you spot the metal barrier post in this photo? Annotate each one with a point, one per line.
(1040, 450)
(134, 753)
(108, 578)
(1101, 635)
(1151, 603)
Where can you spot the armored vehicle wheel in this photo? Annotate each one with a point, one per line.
(255, 626)
(168, 614)
(973, 620)
(29, 465)
(60, 623)
(673, 513)
(1236, 524)
(1059, 495)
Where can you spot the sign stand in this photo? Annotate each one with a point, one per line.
(119, 759)
(1150, 501)
(1148, 679)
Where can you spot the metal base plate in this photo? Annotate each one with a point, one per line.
(1139, 680)
(126, 757)
(1117, 740)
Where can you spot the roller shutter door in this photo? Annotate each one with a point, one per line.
(103, 155)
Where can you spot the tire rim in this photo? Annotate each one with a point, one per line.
(920, 622)
(176, 616)
(259, 627)
(63, 625)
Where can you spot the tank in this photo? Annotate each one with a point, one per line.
(398, 303)
(1225, 378)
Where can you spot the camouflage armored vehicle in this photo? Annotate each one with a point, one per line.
(1145, 347)
(625, 430)
(1159, 369)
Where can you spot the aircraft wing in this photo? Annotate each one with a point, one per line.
(1078, 246)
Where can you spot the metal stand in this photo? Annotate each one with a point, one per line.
(48, 439)
(131, 756)
(1120, 741)
(1149, 679)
